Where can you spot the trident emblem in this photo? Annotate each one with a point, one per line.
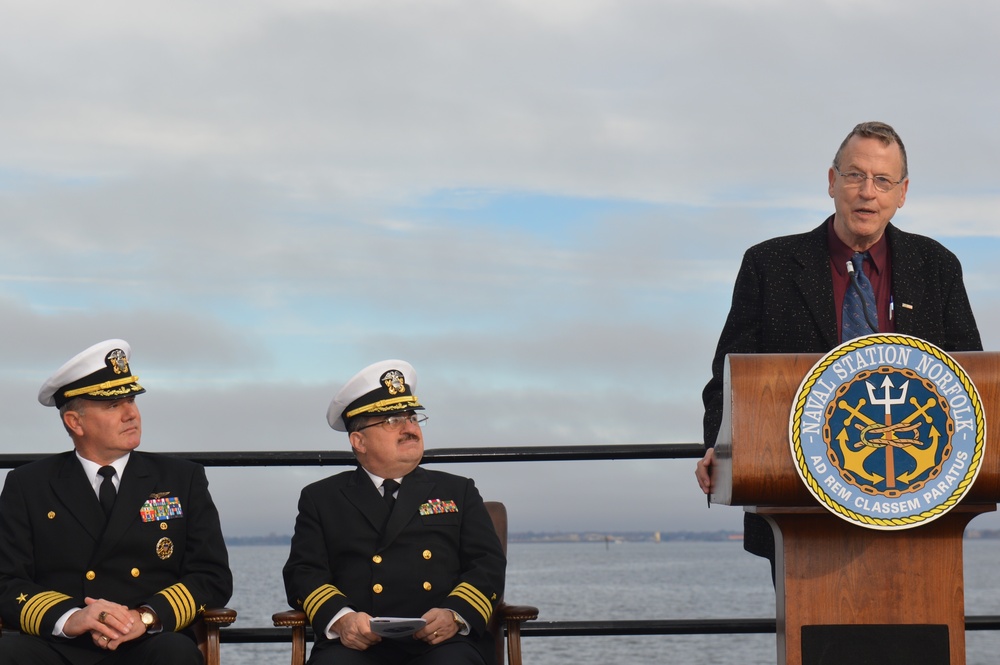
(888, 402)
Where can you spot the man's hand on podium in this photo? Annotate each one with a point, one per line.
(703, 472)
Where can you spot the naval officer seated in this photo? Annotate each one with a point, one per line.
(392, 539)
(107, 554)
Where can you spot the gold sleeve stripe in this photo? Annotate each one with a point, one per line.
(474, 597)
(182, 603)
(316, 599)
(34, 610)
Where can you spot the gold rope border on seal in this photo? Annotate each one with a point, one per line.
(970, 389)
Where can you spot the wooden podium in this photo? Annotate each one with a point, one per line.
(836, 580)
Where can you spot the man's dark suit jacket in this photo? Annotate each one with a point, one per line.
(55, 549)
(783, 303)
(438, 549)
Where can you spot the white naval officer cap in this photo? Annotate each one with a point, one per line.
(100, 372)
(384, 387)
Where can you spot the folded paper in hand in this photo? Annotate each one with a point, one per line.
(396, 626)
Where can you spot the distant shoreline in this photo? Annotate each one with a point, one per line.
(543, 537)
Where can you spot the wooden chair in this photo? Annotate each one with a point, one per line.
(206, 631)
(506, 618)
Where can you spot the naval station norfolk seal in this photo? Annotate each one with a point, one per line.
(887, 431)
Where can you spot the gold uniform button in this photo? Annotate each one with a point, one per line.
(135, 572)
(377, 588)
(91, 575)
(377, 558)
(163, 526)
(427, 554)
(52, 514)
(427, 586)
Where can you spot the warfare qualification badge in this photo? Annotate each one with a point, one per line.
(164, 548)
(887, 431)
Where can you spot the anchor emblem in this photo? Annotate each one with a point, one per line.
(877, 432)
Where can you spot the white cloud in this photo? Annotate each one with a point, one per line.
(542, 205)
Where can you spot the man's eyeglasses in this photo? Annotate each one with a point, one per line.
(396, 422)
(855, 179)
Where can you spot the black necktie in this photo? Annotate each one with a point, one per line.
(859, 315)
(389, 487)
(107, 492)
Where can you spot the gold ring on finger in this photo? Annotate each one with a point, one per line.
(102, 616)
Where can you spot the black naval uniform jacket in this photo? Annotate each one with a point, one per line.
(438, 549)
(55, 549)
(783, 303)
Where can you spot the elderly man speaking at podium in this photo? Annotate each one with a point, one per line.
(392, 539)
(854, 274)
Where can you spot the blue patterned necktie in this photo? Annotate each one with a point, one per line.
(860, 316)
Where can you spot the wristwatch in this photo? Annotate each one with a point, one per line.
(459, 622)
(147, 617)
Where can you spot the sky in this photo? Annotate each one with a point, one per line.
(541, 205)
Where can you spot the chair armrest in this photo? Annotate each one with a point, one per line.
(206, 631)
(519, 613)
(292, 618)
(296, 620)
(513, 616)
(219, 616)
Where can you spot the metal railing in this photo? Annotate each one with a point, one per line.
(431, 455)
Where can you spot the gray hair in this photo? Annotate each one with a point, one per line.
(77, 404)
(874, 130)
(356, 423)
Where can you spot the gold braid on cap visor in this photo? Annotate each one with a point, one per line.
(384, 405)
(100, 386)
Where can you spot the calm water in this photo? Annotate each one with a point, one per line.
(577, 581)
